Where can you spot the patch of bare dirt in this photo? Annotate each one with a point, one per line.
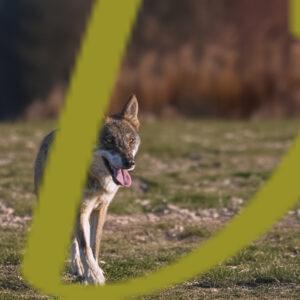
(9, 220)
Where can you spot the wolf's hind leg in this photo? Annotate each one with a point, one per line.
(76, 264)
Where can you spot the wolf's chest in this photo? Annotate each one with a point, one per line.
(104, 194)
(110, 189)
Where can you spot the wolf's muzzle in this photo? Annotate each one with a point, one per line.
(128, 163)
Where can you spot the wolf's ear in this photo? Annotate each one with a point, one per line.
(130, 111)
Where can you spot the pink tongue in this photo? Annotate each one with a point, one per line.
(123, 177)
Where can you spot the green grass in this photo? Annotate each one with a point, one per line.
(199, 200)
(191, 177)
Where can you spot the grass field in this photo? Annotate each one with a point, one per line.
(191, 178)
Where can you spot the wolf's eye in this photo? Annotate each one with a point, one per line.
(131, 141)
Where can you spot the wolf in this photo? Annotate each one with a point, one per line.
(113, 159)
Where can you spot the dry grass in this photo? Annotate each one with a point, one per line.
(226, 58)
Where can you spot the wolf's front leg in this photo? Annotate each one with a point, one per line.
(92, 272)
(98, 219)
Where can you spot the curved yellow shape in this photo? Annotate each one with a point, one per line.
(53, 221)
(92, 82)
(294, 17)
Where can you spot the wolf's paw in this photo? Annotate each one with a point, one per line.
(96, 278)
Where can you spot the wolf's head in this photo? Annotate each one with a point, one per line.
(119, 142)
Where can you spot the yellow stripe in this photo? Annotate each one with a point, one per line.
(91, 86)
(294, 19)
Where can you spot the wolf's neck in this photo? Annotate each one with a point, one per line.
(100, 178)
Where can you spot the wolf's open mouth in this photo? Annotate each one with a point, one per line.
(119, 176)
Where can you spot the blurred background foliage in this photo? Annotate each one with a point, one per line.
(201, 58)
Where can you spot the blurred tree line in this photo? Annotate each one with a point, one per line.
(39, 42)
(200, 57)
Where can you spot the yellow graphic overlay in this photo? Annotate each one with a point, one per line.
(93, 79)
(294, 18)
(92, 82)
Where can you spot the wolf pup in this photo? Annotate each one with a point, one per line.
(113, 158)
